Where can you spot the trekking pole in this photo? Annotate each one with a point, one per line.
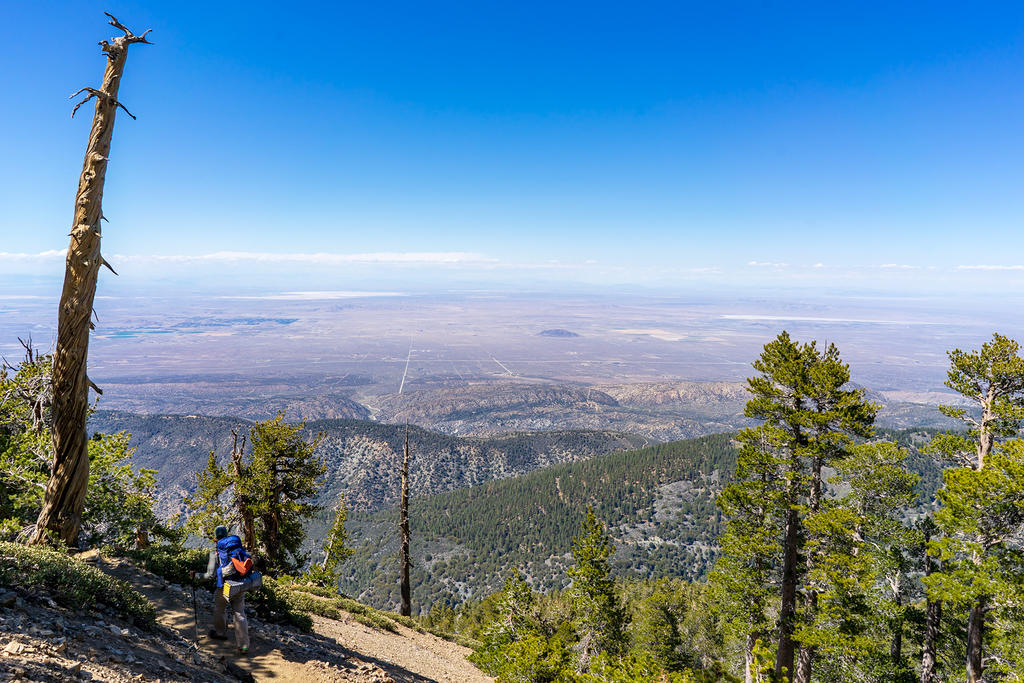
(195, 614)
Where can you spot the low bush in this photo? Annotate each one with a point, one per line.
(275, 602)
(288, 599)
(170, 562)
(71, 582)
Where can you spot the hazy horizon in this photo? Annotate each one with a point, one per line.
(857, 148)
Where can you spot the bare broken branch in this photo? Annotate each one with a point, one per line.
(92, 93)
(128, 37)
(126, 110)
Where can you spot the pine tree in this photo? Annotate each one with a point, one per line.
(26, 393)
(746, 571)
(276, 486)
(279, 483)
(859, 554)
(517, 645)
(809, 421)
(978, 517)
(599, 618)
(209, 503)
(336, 551)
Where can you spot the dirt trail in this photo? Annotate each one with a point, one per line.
(342, 650)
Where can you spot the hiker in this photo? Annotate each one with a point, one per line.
(229, 547)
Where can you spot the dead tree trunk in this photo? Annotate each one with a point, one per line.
(403, 525)
(929, 651)
(805, 656)
(61, 514)
(242, 501)
(787, 613)
(975, 638)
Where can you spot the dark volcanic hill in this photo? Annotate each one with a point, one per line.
(557, 333)
(360, 456)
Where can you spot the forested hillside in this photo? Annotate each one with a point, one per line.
(659, 503)
(360, 455)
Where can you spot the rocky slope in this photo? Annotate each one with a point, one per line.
(662, 411)
(40, 641)
(361, 456)
(495, 408)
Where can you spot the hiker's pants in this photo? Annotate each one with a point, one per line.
(220, 604)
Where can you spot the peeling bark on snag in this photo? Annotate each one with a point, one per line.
(61, 515)
(406, 609)
(242, 501)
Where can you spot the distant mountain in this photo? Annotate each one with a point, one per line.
(558, 333)
(488, 409)
(360, 455)
(662, 411)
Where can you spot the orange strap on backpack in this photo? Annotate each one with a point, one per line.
(241, 567)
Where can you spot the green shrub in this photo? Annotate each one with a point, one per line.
(376, 621)
(275, 602)
(72, 583)
(288, 598)
(170, 562)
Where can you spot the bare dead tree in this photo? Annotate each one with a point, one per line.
(403, 525)
(933, 613)
(241, 500)
(36, 391)
(61, 514)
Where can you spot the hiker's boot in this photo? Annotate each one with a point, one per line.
(216, 636)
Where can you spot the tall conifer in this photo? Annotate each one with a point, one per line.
(809, 419)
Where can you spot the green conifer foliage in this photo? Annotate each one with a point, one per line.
(599, 618)
(25, 450)
(981, 515)
(809, 420)
(282, 477)
(336, 551)
(118, 506)
(859, 551)
(278, 483)
(209, 504)
(517, 645)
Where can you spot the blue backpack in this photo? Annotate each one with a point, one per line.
(234, 560)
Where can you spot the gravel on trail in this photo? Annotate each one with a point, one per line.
(41, 641)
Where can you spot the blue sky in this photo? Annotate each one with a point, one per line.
(657, 144)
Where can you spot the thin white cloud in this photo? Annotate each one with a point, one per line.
(315, 296)
(322, 258)
(798, 318)
(990, 267)
(900, 266)
(41, 256)
(767, 264)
